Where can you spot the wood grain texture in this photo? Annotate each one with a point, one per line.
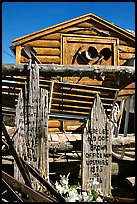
(96, 148)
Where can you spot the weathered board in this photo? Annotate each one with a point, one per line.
(97, 148)
(32, 124)
(19, 138)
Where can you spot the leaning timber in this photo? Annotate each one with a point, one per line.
(70, 70)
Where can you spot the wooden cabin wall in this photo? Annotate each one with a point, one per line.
(48, 47)
(49, 51)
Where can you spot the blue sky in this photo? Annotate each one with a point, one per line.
(21, 18)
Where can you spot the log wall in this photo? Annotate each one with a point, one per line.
(60, 45)
(48, 47)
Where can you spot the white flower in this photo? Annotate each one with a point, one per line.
(73, 193)
(99, 199)
(86, 197)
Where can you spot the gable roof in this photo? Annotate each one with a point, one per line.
(72, 22)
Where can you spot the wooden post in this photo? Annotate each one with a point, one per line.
(19, 138)
(32, 122)
(97, 148)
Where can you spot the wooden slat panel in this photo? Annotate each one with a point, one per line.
(69, 112)
(14, 84)
(76, 103)
(14, 78)
(70, 108)
(78, 98)
(73, 109)
(10, 90)
(84, 93)
(85, 87)
(9, 97)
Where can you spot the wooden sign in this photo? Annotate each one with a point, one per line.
(97, 148)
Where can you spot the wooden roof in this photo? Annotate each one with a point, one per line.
(72, 22)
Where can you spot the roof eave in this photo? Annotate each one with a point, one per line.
(65, 24)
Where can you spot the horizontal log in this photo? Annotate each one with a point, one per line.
(127, 42)
(53, 36)
(76, 145)
(71, 70)
(44, 43)
(44, 59)
(122, 141)
(125, 56)
(47, 51)
(124, 48)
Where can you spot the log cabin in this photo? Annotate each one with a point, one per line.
(80, 41)
(78, 58)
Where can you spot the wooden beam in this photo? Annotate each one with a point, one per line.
(12, 191)
(51, 92)
(47, 184)
(34, 195)
(71, 70)
(16, 157)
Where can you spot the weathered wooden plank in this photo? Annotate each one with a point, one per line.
(12, 191)
(36, 114)
(12, 84)
(82, 86)
(70, 108)
(123, 141)
(46, 183)
(96, 148)
(42, 134)
(34, 195)
(32, 120)
(50, 97)
(16, 157)
(87, 93)
(19, 139)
